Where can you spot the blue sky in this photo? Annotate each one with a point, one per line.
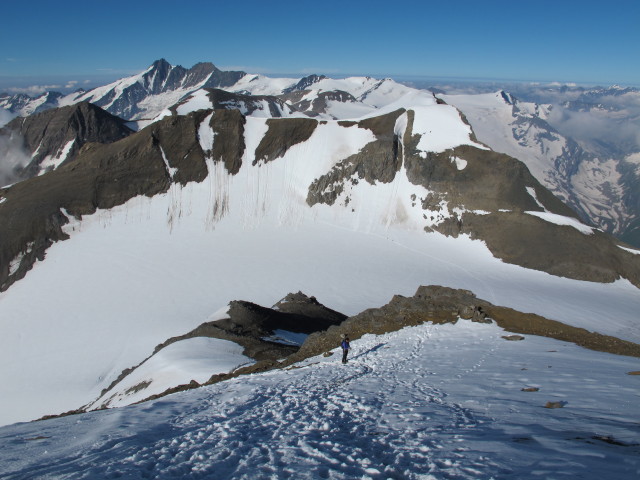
(78, 43)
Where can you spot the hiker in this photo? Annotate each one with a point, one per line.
(345, 347)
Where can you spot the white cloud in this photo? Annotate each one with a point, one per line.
(6, 116)
(13, 158)
(33, 89)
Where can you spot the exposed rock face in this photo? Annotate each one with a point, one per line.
(301, 307)
(304, 83)
(55, 136)
(228, 125)
(314, 106)
(295, 313)
(528, 241)
(489, 182)
(377, 161)
(281, 136)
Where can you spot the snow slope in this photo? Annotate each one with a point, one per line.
(177, 364)
(426, 402)
(132, 277)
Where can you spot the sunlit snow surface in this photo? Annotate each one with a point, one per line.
(132, 277)
(177, 364)
(427, 402)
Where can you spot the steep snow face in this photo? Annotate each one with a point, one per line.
(132, 277)
(433, 401)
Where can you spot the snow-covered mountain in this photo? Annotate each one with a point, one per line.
(569, 137)
(351, 190)
(24, 105)
(598, 181)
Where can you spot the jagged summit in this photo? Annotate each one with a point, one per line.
(304, 83)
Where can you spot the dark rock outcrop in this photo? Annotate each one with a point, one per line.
(304, 83)
(283, 134)
(314, 106)
(379, 160)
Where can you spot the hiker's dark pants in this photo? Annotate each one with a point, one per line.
(345, 351)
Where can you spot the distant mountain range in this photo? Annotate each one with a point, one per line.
(598, 179)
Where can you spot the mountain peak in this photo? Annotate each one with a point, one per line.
(304, 83)
(161, 63)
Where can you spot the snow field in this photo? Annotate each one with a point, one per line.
(442, 401)
(161, 266)
(134, 276)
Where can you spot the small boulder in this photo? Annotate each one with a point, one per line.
(513, 338)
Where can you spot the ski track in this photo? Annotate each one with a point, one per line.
(383, 415)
